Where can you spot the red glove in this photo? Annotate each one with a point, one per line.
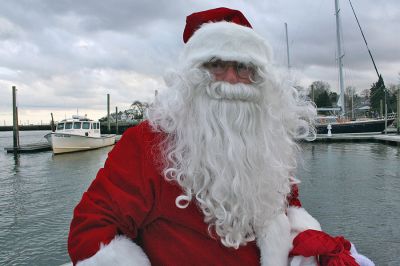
(332, 251)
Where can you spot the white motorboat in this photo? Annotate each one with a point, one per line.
(78, 134)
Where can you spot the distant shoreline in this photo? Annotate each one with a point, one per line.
(26, 127)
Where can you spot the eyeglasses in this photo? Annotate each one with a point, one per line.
(218, 67)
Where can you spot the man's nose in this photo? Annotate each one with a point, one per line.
(231, 76)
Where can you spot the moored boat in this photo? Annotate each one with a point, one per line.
(78, 134)
(338, 126)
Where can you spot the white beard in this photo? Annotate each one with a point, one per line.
(227, 149)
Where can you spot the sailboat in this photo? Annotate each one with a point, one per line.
(340, 125)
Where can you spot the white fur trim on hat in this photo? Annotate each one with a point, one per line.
(227, 41)
(121, 251)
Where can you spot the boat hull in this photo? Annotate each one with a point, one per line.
(64, 143)
(367, 126)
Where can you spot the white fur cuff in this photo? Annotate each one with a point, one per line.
(120, 252)
(361, 259)
(300, 220)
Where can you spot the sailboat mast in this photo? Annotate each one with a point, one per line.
(340, 57)
(287, 47)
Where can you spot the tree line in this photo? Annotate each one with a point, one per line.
(320, 93)
(136, 112)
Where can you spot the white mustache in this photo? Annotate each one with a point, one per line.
(239, 92)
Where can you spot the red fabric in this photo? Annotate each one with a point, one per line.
(195, 20)
(332, 251)
(293, 198)
(129, 197)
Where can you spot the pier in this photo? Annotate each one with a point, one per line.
(29, 148)
(391, 139)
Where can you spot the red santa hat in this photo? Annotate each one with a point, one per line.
(222, 33)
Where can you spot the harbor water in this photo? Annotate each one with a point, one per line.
(353, 189)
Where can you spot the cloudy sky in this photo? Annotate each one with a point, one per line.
(65, 56)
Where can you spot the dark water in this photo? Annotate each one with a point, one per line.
(38, 193)
(353, 189)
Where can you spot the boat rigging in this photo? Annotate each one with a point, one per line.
(339, 125)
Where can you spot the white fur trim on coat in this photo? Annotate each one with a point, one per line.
(121, 251)
(227, 41)
(274, 242)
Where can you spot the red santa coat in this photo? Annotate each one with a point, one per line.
(130, 197)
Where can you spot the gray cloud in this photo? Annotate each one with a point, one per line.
(69, 54)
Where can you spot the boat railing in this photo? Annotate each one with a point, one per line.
(392, 116)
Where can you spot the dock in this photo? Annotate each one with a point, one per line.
(391, 139)
(29, 148)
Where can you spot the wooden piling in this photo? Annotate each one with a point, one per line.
(15, 119)
(52, 123)
(398, 111)
(16, 110)
(116, 120)
(108, 114)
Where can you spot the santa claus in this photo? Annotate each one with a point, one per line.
(208, 178)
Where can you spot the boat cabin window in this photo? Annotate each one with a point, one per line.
(68, 125)
(98, 125)
(77, 125)
(86, 125)
(60, 126)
